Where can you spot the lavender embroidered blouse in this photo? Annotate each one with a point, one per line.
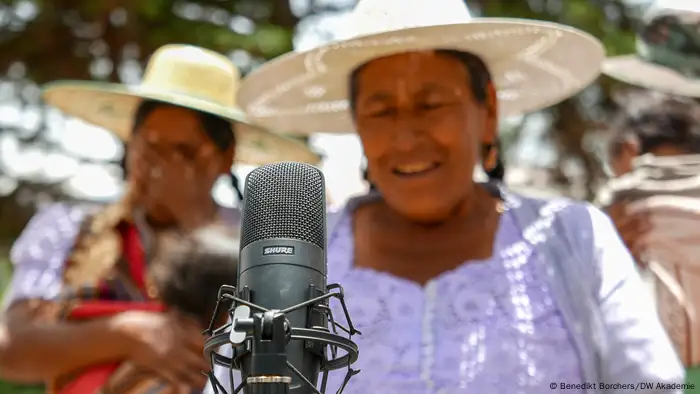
(492, 326)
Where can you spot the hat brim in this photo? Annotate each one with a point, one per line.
(534, 65)
(113, 106)
(633, 70)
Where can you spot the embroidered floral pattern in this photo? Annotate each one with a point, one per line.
(486, 327)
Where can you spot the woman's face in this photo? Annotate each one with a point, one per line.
(421, 130)
(622, 159)
(173, 164)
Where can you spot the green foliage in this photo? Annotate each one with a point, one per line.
(11, 388)
(58, 32)
(618, 39)
(5, 274)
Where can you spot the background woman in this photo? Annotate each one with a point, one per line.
(183, 132)
(457, 286)
(666, 129)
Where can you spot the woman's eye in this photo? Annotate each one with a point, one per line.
(186, 152)
(382, 112)
(430, 106)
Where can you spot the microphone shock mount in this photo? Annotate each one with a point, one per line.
(263, 335)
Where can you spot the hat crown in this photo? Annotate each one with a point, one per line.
(381, 16)
(192, 71)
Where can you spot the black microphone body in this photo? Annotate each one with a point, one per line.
(283, 264)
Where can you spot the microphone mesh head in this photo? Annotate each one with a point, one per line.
(284, 200)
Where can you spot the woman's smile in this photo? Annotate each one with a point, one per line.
(416, 169)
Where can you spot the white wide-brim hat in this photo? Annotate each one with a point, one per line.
(182, 75)
(534, 64)
(668, 54)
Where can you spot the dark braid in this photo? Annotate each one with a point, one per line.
(236, 186)
(480, 81)
(219, 130)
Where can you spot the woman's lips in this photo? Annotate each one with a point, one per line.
(414, 169)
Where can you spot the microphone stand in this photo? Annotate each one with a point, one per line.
(271, 333)
(268, 332)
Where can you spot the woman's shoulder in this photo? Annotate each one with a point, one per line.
(564, 209)
(579, 223)
(40, 252)
(52, 229)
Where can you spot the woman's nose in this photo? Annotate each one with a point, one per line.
(408, 134)
(155, 172)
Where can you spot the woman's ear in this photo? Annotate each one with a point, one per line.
(491, 157)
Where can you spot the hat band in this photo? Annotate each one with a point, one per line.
(153, 91)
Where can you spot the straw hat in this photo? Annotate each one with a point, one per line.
(534, 64)
(668, 50)
(182, 75)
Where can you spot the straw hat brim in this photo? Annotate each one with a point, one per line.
(534, 65)
(633, 70)
(113, 106)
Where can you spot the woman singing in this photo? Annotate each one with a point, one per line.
(461, 287)
(81, 295)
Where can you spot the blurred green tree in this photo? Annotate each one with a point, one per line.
(42, 40)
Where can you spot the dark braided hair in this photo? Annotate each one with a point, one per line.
(219, 130)
(480, 80)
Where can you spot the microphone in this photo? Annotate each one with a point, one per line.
(279, 330)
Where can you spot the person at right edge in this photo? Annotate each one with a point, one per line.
(655, 160)
(459, 286)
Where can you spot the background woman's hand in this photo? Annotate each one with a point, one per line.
(168, 344)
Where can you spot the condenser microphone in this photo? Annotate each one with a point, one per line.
(283, 250)
(282, 330)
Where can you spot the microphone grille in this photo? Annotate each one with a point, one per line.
(284, 200)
